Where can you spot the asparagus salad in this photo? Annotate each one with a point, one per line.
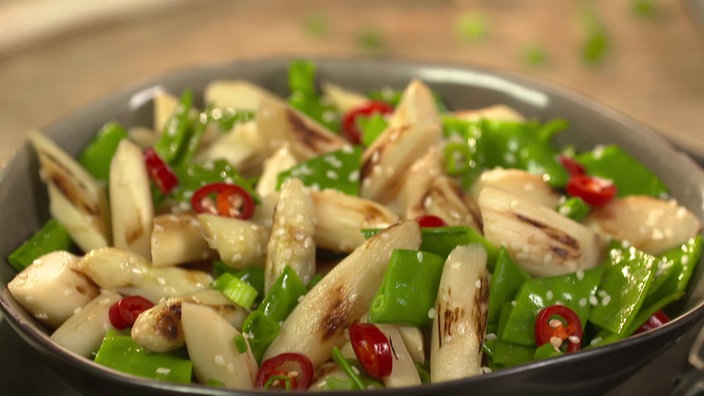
(336, 240)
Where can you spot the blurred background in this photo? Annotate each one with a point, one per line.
(644, 58)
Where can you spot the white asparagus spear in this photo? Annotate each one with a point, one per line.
(403, 372)
(159, 328)
(215, 356)
(341, 98)
(178, 239)
(279, 124)
(341, 298)
(240, 243)
(281, 160)
(131, 274)
(460, 315)
(243, 148)
(495, 112)
(291, 239)
(651, 224)
(165, 105)
(236, 94)
(83, 332)
(52, 288)
(446, 199)
(414, 340)
(413, 127)
(417, 181)
(540, 239)
(530, 186)
(76, 199)
(131, 208)
(340, 217)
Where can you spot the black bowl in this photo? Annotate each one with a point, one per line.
(589, 372)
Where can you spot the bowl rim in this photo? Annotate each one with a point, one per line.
(40, 340)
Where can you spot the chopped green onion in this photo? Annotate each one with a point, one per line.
(240, 343)
(347, 367)
(237, 290)
(276, 378)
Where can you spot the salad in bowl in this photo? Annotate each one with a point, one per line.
(329, 238)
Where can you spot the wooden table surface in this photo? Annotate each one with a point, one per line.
(652, 71)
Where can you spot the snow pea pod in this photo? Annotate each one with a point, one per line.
(507, 354)
(305, 98)
(505, 282)
(507, 144)
(441, 241)
(51, 237)
(121, 353)
(192, 176)
(628, 274)
(629, 175)
(262, 325)
(575, 208)
(338, 170)
(408, 290)
(177, 133)
(575, 290)
(683, 260)
(97, 155)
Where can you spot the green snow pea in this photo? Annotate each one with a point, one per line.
(546, 351)
(226, 118)
(507, 144)
(507, 354)
(262, 325)
(505, 282)
(305, 98)
(629, 175)
(409, 289)
(97, 155)
(575, 290)
(441, 241)
(627, 276)
(338, 170)
(181, 134)
(51, 237)
(121, 353)
(683, 260)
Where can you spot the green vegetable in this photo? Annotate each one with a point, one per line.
(423, 373)
(409, 289)
(575, 208)
(505, 282)
(683, 260)
(628, 274)
(262, 325)
(629, 175)
(535, 56)
(371, 127)
(486, 144)
(240, 343)
(96, 157)
(305, 98)
(237, 290)
(226, 119)
(508, 354)
(51, 237)
(121, 353)
(441, 241)
(338, 170)
(546, 351)
(576, 291)
(359, 380)
(254, 276)
(178, 131)
(370, 39)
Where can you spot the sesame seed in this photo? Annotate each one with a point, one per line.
(490, 336)
(331, 174)
(549, 295)
(606, 300)
(163, 370)
(447, 338)
(478, 283)
(579, 274)
(574, 339)
(219, 360)
(556, 342)
(419, 256)
(431, 313)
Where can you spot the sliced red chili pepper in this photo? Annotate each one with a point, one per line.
(230, 200)
(573, 167)
(372, 349)
(349, 121)
(658, 319)
(558, 324)
(431, 221)
(125, 311)
(593, 190)
(285, 371)
(159, 171)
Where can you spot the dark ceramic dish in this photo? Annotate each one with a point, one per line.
(590, 372)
